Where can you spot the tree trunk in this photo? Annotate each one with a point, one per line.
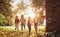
(53, 15)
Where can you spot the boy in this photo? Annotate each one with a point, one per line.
(16, 23)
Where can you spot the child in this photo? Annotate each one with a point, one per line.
(29, 24)
(35, 24)
(16, 23)
(22, 20)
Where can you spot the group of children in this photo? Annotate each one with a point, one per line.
(23, 22)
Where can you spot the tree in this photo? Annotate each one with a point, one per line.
(21, 6)
(5, 10)
(37, 3)
(5, 7)
(39, 6)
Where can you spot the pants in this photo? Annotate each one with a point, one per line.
(29, 28)
(35, 27)
(16, 26)
(22, 26)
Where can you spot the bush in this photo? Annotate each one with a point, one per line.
(3, 21)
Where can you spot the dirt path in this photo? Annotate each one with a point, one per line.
(19, 34)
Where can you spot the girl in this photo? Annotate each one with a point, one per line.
(36, 23)
(29, 24)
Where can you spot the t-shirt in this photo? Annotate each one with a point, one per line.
(22, 20)
(16, 20)
(29, 22)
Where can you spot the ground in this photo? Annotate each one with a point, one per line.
(10, 32)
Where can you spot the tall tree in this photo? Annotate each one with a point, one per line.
(5, 7)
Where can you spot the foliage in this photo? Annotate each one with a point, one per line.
(5, 7)
(5, 11)
(3, 20)
(38, 3)
(21, 6)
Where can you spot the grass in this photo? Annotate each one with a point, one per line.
(9, 28)
(12, 28)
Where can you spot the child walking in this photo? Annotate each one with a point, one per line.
(29, 24)
(16, 23)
